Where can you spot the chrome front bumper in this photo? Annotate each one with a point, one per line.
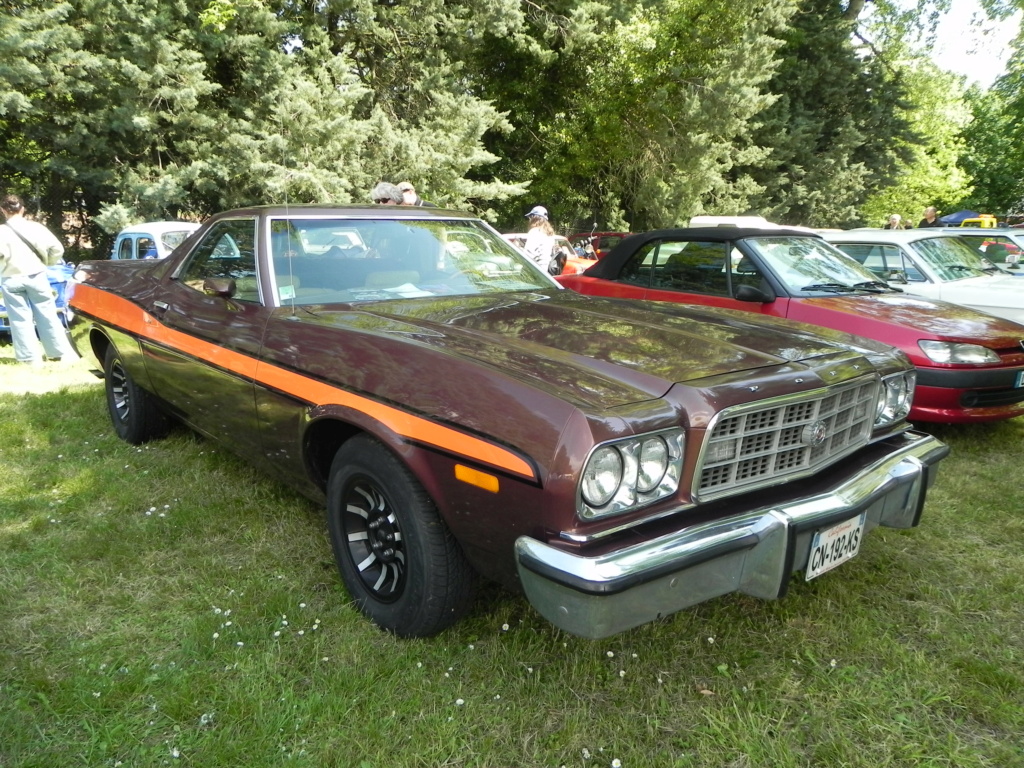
(753, 552)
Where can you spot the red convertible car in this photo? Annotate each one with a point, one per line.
(970, 365)
(459, 415)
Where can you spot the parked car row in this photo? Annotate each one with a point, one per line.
(460, 414)
(970, 364)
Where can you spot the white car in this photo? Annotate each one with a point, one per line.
(151, 239)
(935, 264)
(1003, 246)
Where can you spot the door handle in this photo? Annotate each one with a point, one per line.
(159, 307)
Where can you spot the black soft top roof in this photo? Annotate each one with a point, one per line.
(610, 266)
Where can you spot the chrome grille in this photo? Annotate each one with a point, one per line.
(764, 443)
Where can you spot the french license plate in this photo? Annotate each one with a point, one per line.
(1020, 380)
(834, 546)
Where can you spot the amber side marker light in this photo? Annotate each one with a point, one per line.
(477, 478)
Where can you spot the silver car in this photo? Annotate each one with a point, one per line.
(936, 264)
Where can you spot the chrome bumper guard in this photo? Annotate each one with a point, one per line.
(753, 552)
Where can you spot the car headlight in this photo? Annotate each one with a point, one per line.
(625, 474)
(894, 398)
(952, 352)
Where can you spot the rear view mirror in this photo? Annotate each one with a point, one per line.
(750, 293)
(897, 276)
(219, 286)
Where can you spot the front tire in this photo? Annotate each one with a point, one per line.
(397, 558)
(133, 411)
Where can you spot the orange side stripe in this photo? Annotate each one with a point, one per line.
(132, 318)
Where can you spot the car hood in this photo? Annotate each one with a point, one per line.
(600, 351)
(882, 317)
(999, 291)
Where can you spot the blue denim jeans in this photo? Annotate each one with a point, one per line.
(31, 307)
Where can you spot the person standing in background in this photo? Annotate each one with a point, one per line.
(409, 196)
(26, 249)
(930, 218)
(540, 237)
(895, 222)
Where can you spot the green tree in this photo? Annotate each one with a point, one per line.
(838, 128)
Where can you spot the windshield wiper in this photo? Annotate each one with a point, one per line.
(833, 287)
(965, 268)
(877, 286)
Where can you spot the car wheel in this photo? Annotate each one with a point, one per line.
(400, 563)
(134, 412)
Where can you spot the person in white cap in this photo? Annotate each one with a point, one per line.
(540, 238)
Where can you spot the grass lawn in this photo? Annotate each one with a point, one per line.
(168, 606)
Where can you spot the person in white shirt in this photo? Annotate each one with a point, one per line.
(26, 248)
(540, 238)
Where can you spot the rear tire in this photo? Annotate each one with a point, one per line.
(133, 411)
(397, 558)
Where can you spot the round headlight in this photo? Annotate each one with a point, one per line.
(602, 477)
(653, 464)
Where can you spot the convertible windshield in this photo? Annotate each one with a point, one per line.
(951, 258)
(345, 260)
(810, 265)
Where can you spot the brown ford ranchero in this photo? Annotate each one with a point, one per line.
(461, 415)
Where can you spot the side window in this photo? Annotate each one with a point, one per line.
(896, 259)
(147, 248)
(698, 267)
(637, 271)
(227, 251)
(124, 250)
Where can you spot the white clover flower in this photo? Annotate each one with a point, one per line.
(277, 633)
(586, 753)
(832, 663)
(711, 640)
(216, 635)
(302, 631)
(459, 702)
(529, 670)
(227, 613)
(471, 646)
(504, 627)
(239, 643)
(227, 623)
(616, 763)
(419, 664)
(610, 654)
(302, 605)
(175, 753)
(325, 658)
(205, 719)
(497, 696)
(96, 694)
(622, 673)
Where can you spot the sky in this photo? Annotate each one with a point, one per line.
(977, 48)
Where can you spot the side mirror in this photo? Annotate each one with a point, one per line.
(219, 286)
(897, 276)
(750, 293)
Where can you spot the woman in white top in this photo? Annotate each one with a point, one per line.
(26, 248)
(540, 239)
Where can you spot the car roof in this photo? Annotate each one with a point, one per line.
(1005, 231)
(363, 211)
(609, 266)
(159, 227)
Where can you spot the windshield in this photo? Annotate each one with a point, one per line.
(332, 260)
(951, 258)
(172, 240)
(808, 264)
